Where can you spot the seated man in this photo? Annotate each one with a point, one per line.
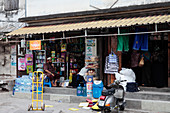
(49, 70)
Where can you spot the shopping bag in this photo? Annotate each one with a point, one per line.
(141, 63)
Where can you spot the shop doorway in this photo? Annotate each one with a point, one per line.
(155, 71)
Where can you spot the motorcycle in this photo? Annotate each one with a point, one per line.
(112, 98)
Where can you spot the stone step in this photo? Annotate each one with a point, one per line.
(53, 97)
(151, 105)
(148, 95)
(154, 89)
(60, 90)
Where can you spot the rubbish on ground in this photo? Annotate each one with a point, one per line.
(94, 100)
(73, 109)
(83, 104)
(59, 101)
(49, 106)
(95, 107)
(90, 101)
(61, 111)
(90, 105)
(86, 107)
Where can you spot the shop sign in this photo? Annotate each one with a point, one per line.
(35, 45)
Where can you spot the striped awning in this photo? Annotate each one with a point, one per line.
(122, 22)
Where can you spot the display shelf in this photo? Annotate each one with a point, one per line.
(57, 62)
(75, 68)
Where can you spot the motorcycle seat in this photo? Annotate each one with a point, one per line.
(108, 92)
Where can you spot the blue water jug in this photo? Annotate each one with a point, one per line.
(97, 89)
(79, 90)
(84, 91)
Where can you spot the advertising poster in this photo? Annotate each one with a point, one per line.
(91, 42)
(29, 62)
(21, 64)
(63, 47)
(13, 55)
(29, 59)
(29, 68)
(91, 47)
(53, 56)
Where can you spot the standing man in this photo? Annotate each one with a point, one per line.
(49, 70)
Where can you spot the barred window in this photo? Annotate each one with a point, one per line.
(11, 5)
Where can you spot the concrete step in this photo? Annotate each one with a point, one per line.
(54, 97)
(148, 95)
(150, 105)
(154, 89)
(60, 90)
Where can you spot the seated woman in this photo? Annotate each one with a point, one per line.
(49, 70)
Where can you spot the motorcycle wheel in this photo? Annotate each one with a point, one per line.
(106, 110)
(122, 107)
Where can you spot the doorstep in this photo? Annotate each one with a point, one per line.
(53, 97)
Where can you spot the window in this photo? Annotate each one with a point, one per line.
(11, 5)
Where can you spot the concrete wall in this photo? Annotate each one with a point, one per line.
(45, 7)
(9, 19)
(7, 61)
(102, 4)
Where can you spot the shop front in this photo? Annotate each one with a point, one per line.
(87, 38)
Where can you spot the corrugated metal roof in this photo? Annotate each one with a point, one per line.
(93, 24)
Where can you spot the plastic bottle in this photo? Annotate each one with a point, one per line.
(13, 90)
(84, 90)
(79, 90)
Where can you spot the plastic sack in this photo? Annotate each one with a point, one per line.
(125, 74)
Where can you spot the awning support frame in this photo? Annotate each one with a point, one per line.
(156, 28)
(43, 36)
(118, 30)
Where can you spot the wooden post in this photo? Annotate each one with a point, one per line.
(101, 57)
(114, 47)
(105, 54)
(168, 59)
(109, 50)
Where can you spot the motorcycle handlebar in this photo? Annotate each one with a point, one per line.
(123, 80)
(110, 85)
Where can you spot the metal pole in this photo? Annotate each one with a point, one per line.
(118, 30)
(63, 35)
(43, 36)
(85, 32)
(156, 28)
(6, 39)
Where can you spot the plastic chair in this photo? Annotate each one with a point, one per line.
(47, 82)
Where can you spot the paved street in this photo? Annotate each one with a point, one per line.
(9, 104)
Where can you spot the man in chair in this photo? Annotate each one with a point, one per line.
(49, 70)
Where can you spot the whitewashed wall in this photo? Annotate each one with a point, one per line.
(6, 67)
(45, 7)
(9, 19)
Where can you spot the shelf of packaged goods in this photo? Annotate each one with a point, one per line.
(74, 68)
(57, 62)
(76, 43)
(75, 51)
